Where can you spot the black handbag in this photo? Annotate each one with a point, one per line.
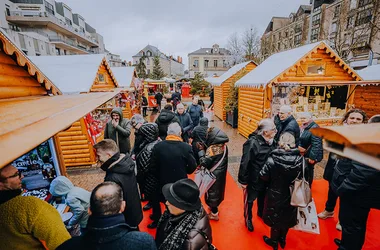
(209, 244)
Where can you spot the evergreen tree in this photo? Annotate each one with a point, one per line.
(157, 73)
(141, 68)
(199, 85)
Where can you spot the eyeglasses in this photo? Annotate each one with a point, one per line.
(17, 174)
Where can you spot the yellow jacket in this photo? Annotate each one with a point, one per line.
(30, 223)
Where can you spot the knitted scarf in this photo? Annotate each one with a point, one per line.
(178, 235)
(173, 138)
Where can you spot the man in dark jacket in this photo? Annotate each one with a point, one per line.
(119, 130)
(144, 105)
(358, 193)
(176, 98)
(195, 111)
(211, 95)
(199, 134)
(137, 121)
(310, 146)
(171, 161)
(184, 225)
(166, 117)
(107, 229)
(120, 169)
(285, 122)
(185, 121)
(158, 96)
(255, 153)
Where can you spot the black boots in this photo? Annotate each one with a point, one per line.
(270, 242)
(153, 224)
(337, 242)
(147, 206)
(249, 225)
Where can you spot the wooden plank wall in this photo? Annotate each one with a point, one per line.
(367, 99)
(108, 81)
(15, 80)
(251, 109)
(74, 146)
(219, 102)
(127, 112)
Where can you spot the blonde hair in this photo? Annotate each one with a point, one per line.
(107, 145)
(287, 141)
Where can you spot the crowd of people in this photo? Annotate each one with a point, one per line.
(179, 143)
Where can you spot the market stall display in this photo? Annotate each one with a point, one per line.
(311, 78)
(223, 85)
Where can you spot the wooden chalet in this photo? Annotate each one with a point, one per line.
(32, 108)
(367, 96)
(80, 74)
(311, 78)
(222, 85)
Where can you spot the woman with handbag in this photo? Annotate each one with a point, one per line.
(283, 166)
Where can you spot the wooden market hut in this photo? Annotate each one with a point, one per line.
(222, 86)
(32, 108)
(310, 68)
(367, 96)
(78, 74)
(125, 77)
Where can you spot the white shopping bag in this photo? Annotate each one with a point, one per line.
(307, 219)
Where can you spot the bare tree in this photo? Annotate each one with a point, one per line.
(251, 44)
(234, 45)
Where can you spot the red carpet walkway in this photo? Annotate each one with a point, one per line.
(230, 233)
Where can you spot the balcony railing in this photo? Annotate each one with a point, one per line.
(68, 42)
(53, 19)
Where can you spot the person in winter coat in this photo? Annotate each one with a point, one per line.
(185, 122)
(198, 135)
(166, 117)
(76, 198)
(281, 169)
(255, 154)
(158, 96)
(310, 146)
(339, 166)
(285, 122)
(148, 183)
(144, 105)
(184, 225)
(176, 99)
(171, 161)
(211, 95)
(195, 111)
(120, 169)
(137, 121)
(26, 221)
(119, 130)
(107, 229)
(216, 159)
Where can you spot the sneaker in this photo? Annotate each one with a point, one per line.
(213, 216)
(338, 226)
(326, 214)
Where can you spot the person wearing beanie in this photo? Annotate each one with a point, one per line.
(185, 121)
(171, 160)
(76, 198)
(184, 225)
(198, 135)
(118, 129)
(166, 117)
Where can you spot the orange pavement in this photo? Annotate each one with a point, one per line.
(230, 233)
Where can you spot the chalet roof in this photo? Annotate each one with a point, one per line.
(124, 75)
(217, 81)
(10, 48)
(277, 64)
(207, 51)
(73, 73)
(371, 73)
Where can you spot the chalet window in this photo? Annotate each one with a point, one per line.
(316, 70)
(196, 64)
(364, 17)
(49, 7)
(337, 11)
(101, 78)
(215, 63)
(206, 63)
(363, 3)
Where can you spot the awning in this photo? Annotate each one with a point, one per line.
(27, 122)
(358, 142)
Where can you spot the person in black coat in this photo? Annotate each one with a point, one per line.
(216, 156)
(211, 95)
(255, 153)
(281, 169)
(198, 134)
(171, 161)
(120, 169)
(106, 228)
(158, 96)
(310, 146)
(166, 117)
(285, 122)
(137, 121)
(185, 121)
(144, 105)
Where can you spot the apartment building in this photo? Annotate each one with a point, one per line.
(114, 60)
(349, 26)
(171, 66)
(209, 61)
(47, 27)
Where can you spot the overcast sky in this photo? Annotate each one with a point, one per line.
(176, 27)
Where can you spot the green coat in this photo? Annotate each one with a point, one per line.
(121, 133)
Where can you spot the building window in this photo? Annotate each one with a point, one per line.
(316, 19)
(286, 33)
(297, 40)
(101, 78)
(49, 8)
(206, 63)
(148, 61)
(334, 27)
(363, 3)
(364, 17)
(8, 12)
(224, 64)
(57, 51)
(279, 46)
(314, 34)
(353, 4)
(149, 53)
(196, 64)
(215, 63)
(148, 71)
(68, 21)
(337, 11)
(350, 22)
(298, 28)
